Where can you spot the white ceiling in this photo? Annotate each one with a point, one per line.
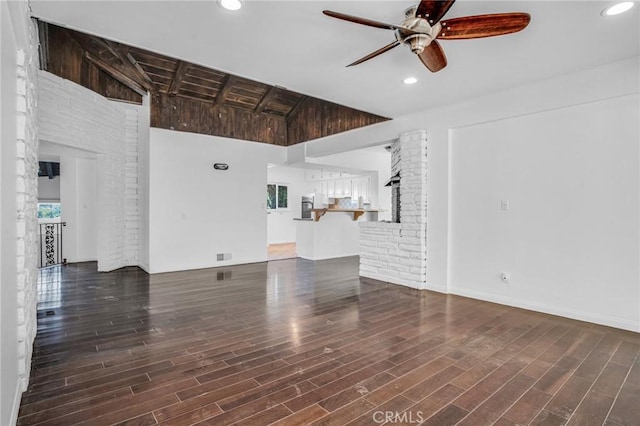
(292, 44)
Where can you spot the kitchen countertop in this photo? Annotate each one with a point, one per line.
(356, 212)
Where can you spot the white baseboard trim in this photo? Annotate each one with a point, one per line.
(399, 281)
(82, 259)
(16, 404)
(393, 280)
(144, 267)
(108, 267)
(605, 320)
(208, 265)
(436, 288)
(329, 256)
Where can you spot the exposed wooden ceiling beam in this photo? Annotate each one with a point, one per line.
(253, 110)
(121, 52)
(108, 45)
(296, 108)
(85, 43)
(181, 70)
(43, 35)
(117, 74)
(228, 85)
(265, 99)
(137, 65)
(82, 40)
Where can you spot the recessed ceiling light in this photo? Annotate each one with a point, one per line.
(617, 8)
(410, 80)
(231, 4)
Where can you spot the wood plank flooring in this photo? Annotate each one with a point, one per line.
(296, 342)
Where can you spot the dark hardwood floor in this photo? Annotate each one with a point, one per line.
(296, 342)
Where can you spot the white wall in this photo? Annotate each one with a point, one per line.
(196, 212)
(86, 210)
(48, 189)
(580, 88)
(570, 237)
(603, 82)
(18, 201)
(9, 386)
(281, 228)
(144, 117)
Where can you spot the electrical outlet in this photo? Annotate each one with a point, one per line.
(220, 256)
(505, 277)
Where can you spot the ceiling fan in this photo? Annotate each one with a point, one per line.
(423, 26)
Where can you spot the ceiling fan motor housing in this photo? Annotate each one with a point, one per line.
(416, 42)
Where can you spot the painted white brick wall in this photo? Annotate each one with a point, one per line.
(27, 199)
(131, 214)
(397, 252)
(73, 116)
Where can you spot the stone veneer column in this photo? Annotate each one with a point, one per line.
(27, 200)
(397, 252)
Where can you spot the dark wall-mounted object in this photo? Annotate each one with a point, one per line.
(48, 168)
(221, 166)
(394, 183)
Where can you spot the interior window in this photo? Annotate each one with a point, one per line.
(277, 196)
(49, 210)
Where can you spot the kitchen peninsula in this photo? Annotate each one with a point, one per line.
(356, 212)
(331, 233)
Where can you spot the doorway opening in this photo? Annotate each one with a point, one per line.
(281, 251)
(49, 211)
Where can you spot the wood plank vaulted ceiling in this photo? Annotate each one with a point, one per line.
(192, 98)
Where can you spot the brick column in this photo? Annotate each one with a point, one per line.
(397, 252)
(27, 200)
(131, 214)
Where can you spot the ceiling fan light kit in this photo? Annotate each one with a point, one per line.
(617, 8)
(230, 4)
(422, 27)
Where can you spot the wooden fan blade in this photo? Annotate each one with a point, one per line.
(433, 10)
(433, 57)
(376, 53)
(483, 25)
(358, 20)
